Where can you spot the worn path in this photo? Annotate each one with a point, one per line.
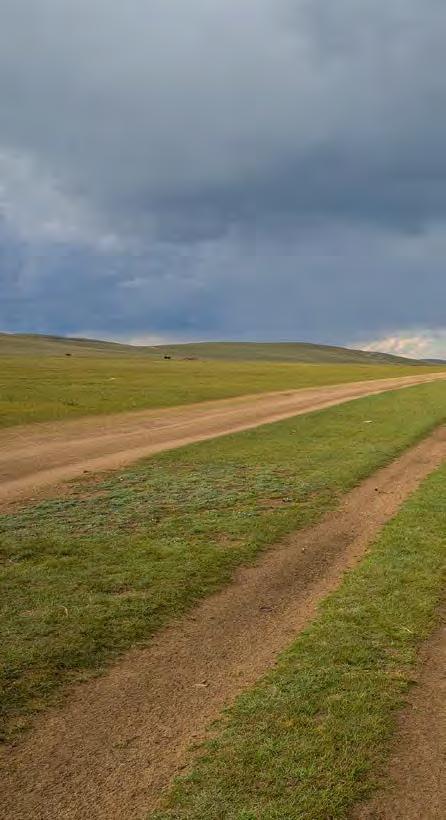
(417, 771)
(115, 745)
(36, 456)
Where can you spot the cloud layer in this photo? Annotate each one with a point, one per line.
(270, 169)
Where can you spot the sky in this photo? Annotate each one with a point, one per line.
(217, 169)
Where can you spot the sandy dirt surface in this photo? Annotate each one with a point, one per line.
(417, 773)
(113, 747)
(37, 456)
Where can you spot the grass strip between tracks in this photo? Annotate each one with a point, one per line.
(312, 737)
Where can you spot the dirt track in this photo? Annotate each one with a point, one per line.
(118, 741)
(417, 788)
(39, 455)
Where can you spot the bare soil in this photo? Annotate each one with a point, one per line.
(42, 455)
(112, 749)
(417, 772)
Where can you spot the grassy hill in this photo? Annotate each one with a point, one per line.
(35, 344)
(40, 345)
(283, 352)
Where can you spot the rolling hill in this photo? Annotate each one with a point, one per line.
(302, 352)
(25, 344)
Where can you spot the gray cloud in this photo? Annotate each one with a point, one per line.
(268, 168)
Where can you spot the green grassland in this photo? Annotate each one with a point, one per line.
(51, 387)
(312, 737)
(85, 577)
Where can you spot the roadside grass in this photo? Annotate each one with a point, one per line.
(51, 388)
(85, 577)
(312, 738)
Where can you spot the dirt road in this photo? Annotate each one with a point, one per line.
(40, 455)
(118, 741)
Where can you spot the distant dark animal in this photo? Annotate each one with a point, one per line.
(67, 354)
(167, 357)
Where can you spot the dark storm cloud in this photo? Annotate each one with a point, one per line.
(267, 168)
